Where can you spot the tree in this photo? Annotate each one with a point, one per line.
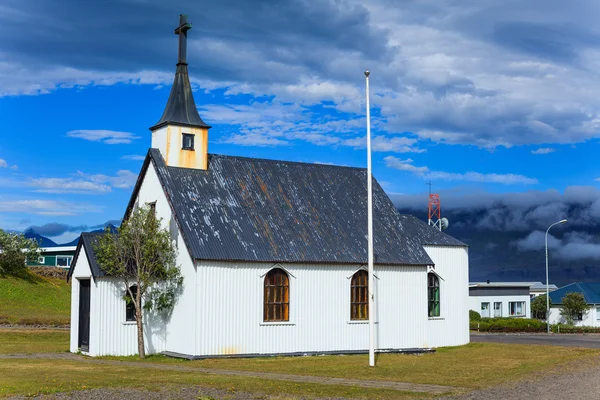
(573, 304)
(15, 249)
(538, 307)
(141, 254)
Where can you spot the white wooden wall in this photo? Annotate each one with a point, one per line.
(230, 310)
(451, 328)
(81, 272)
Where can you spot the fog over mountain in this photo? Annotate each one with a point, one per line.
(506, 232)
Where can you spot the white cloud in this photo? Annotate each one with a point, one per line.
(68, 185)
(254, 139)
(543, 150)
(404, 165)
(3, 163)
(133, 157)
(104, 136)
(425, 172)
(385, 144)
(124, 179)
(83, 183)
(47, 207)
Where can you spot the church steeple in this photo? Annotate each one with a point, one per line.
(180, 134)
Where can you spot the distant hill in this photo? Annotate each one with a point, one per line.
(46, 242)
(41, 240)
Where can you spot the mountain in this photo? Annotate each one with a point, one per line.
(45, 242)
(41, 240)
(499, 253)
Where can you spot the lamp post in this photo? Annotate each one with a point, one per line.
(562, 221)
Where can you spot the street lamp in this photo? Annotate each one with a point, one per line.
(562, 221)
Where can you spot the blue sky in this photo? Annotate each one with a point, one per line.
(492, 101)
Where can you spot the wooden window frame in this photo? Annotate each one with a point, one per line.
(359, 296)
(187, 136)
(276, 296)
(434, 304)
(130, 306)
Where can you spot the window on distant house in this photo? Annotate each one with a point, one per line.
(433, 294)
(497, 309)
(580, 316)
(188, 141)
(485, 310)
(516, 308)
(129, 304)
(276, 296)
(598, 313)
(359, 296)
(41, 260)
(63, 261)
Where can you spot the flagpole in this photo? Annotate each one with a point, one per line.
(370, 233)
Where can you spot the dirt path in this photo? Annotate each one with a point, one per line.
(400, 386)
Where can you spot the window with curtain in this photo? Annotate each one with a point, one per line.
(433, 291)
(129, 304)
(359, 296)
(276, 296)
(516, 308)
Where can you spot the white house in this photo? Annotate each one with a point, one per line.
(273, 255)
(500, 299)
(591, 293)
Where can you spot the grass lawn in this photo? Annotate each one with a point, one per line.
(33, 341)
(474, 366)
(34, 300)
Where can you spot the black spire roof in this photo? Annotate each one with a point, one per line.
(181, 108)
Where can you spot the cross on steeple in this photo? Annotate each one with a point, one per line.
(181, 30)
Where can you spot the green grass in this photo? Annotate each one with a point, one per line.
(34, 300)
(474, 366)
(33, 341)
(32, 377)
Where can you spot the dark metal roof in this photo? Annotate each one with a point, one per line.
(181, 108)
(250, 209)
(87, 240)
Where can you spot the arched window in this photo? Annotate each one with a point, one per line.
(129, 304)
(359, 296)
(277, 296)
(433, 294)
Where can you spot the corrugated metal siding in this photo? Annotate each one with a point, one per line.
(230, 310)
(275, 211)
(118, 337)
(452, 328)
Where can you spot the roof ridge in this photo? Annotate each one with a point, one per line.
(284, 161)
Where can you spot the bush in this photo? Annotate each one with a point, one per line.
(474, 316)
(560, 328)
(508, 325)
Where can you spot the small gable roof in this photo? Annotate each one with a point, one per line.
(249, 209)
(590, 291)
(87, 241)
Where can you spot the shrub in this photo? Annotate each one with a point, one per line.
(560, 328)
(508, 325)
(474, 315)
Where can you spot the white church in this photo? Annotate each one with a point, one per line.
(273, 255)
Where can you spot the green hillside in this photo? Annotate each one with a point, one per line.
(34, 300)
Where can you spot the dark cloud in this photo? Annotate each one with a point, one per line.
(522, 211)
(131, 36)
